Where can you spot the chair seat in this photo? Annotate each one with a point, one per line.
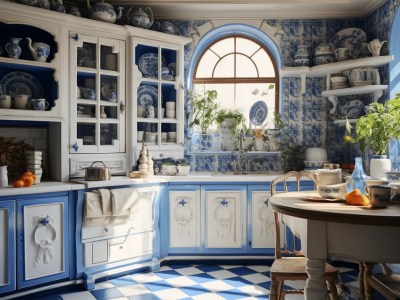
(387, 285)
(296, 266)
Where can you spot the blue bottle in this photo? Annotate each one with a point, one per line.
(359, 175)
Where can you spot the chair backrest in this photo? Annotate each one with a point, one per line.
(290, 176)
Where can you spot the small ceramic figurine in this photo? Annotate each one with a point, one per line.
(13, 48)
(151, 112)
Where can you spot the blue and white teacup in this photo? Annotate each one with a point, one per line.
(39, 104)
(380, 195)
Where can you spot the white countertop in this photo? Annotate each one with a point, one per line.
(49, 187)
(42, 187)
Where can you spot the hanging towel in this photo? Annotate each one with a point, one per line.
(106, 202)
(123, 200)
(92, 205)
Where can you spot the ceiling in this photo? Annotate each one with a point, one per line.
(249, 9)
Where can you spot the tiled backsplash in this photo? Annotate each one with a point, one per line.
(307, 118)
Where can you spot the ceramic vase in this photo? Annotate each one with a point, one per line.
(259, 144)
(379, 165)
(13, 48)
(205, 141)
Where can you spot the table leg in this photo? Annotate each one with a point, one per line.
(361, 279)
(315, 285)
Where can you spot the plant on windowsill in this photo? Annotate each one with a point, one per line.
(374, 131)
(291, 156)
(274, 132)
(203, 108)
(230, 122)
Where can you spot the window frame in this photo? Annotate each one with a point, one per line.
(235, 80)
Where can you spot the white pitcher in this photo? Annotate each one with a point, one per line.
(375, 46)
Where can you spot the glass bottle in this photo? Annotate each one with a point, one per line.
(359, 175)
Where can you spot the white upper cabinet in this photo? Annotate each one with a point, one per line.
(157, 87)
(97, 94)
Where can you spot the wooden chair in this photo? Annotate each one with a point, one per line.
(387, 283)
(293, 267)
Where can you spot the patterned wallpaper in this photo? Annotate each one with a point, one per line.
(307, 118)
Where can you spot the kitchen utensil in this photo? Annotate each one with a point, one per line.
(97, 173)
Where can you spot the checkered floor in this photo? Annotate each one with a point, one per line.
(198, 282)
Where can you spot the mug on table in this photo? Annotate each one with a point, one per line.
(380, 195)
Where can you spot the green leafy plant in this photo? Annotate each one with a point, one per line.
(375, 130)
(203, 109)
(291, 156)
(238, 120)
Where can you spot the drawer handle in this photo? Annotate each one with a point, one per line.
(105, 229)
(121, 247)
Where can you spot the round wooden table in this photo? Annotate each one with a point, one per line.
(333, 229)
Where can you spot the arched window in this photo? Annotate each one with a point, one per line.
(237, 67)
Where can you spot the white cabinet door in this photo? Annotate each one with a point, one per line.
(224, 218)
(7, 247)
(43, 230)
(262, 221)
(184, 216)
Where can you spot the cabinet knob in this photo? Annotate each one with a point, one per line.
(76, 147)
(75, 37)
(121, 107)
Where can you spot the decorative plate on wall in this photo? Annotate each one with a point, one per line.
(21, 83)
(349, 38)
(258, 113)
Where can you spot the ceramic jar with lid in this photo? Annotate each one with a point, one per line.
(302, 56)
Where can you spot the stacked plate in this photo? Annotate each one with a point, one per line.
(34, 161)
(339, 82)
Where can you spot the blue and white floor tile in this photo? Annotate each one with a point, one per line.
(200, 282)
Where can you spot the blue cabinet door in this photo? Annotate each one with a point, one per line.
(42, 239)
(7, 246)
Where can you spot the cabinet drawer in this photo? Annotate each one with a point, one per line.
(99, 252)
(120, 250)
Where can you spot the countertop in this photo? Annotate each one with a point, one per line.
(76, 184)
(42, 187)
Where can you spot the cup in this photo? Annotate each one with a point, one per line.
(21, 101)
(162, 113)
(380, 195)
(140, 136)
(163, 137)
(141, 111)
(5, 101)
(170, 105)
(40, 104)
(151, 137)
(170, 113)
(325, 177)
(171, 136)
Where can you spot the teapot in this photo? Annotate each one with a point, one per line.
(167, 27)
(40, 51)
(375, 46)
(102, 11)
(141, 18)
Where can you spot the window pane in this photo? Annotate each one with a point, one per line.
(224, 47)
(246, 46)
(225, 66)
(206, 65)
(264, 64)
(245, 67)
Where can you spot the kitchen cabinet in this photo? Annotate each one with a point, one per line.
(184, 219)
(157, 88)
(34, 236)
(7, 246)
(97, 80)
(115, 245)
(42, 240)
(26, 76)
(261, 225)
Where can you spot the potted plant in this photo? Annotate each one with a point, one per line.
(230, 123)
(374, 131)
(291, 156)
(203, 108)
(273, 133)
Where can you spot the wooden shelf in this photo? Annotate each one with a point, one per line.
(25, 62)
(344, 121)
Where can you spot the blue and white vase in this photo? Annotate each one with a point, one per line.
(13, 48)
(206, 141)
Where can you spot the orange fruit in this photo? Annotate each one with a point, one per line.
(28, 180)
(27, 174)
(356, 198)
(18, 183)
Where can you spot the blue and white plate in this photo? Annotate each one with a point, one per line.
(353, 109)
(21, 83)
(148, 64)
(258, 113)
(147, 95)
(349, 38)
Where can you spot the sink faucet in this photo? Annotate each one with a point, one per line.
(239, 164)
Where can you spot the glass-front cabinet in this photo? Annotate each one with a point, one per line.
(158, 95)
(97, 94)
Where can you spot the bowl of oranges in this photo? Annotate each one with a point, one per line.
(27, 179)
